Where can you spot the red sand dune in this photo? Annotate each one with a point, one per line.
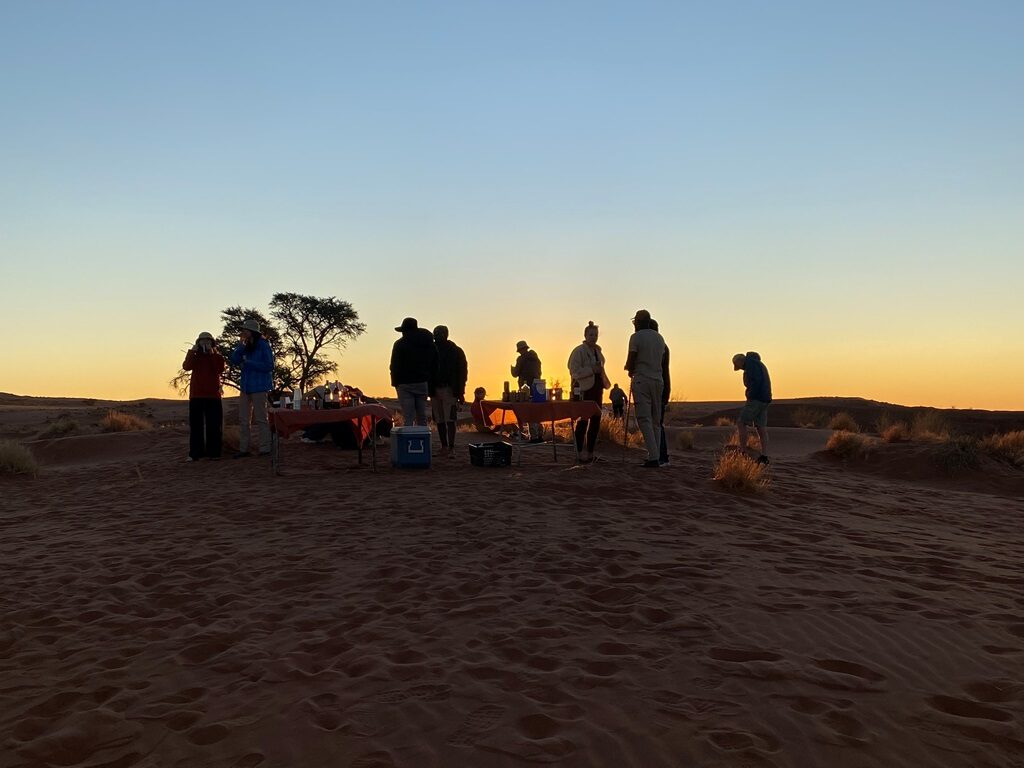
(158, 613)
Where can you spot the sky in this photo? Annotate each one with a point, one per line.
(839, 186)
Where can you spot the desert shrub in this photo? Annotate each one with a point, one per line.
(844, 422)
(896, 433)
(753, 440)
(1007, 447)
(724, 421)
(684, 440)
(735, 471)
(613, 430)
(116, 421)
(848, 445)
(62, 427)
(16, 459)
(929, 425)
(957, 455)
(809, 418)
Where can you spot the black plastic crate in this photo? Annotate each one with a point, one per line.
(490, 454)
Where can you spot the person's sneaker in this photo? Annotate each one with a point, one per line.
(189, 458)
(762, 459)
(664, 463)
(651, 464)
(240, 455)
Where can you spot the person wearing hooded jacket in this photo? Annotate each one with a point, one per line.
(413, 370)
(449, 390)
(254, 355)
(759, 395)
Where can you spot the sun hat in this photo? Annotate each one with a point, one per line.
(409, 324)
(522, 346)
(251, 324)
(205, 336)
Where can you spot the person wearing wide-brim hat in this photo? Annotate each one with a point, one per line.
(526, 369)
(254, 355)
(205, 409)
(413, 370)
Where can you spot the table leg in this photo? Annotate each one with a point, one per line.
(373, 445)
(275, 453)
(554, 442)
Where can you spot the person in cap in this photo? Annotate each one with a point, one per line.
(586, 369)
(256, 359)
(644, 366)
(526, 369)
(758, 386)
(449, 389)
(205, 409)
(413, 370)
(666, 379)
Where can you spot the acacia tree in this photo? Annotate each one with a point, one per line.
(311, 325)
(306, 327)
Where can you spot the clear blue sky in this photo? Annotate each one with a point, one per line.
(840, 186)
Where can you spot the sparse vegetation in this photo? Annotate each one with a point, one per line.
(62, 427)
(929, 425)
(735, 471)
(613, 430)
(16, 459)
(117, 421)
(896, 433)
(753, 440)
(230, 437)
(723, 421)
(809, 418)
(958, 455)
(1008, 447)
(684, 440)
(843, 422)
(848, 445)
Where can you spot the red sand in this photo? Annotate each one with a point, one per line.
(158, 613)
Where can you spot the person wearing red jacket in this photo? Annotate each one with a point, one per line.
(205, 410)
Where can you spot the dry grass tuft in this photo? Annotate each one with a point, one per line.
(723, 421)
(958, 455)
(116, 421)
(753, 440)
(16, 459)
(844, 422)
(230, 439)
(896, 433)
(848, 445)
(613, 430)
(809, 418)
(1008, 447)
(62, 427)
(736, 471)
(930, 425)
(684, 440)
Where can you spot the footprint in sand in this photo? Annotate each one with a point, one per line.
(478, 723)
(968, 709)
(373, 760)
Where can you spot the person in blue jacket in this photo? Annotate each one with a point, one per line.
(759, 395)
(256, 359)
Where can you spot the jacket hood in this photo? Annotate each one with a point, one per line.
(753, 356)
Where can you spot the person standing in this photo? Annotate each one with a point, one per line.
(205, 409)
(526, 369)
(413, 370)
(618, 398)
(759, 395)
(666, 378)
(586, 369)
(449, 390)
(644, 365)
(254, 355)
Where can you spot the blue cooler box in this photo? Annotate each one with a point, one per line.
(410, 447)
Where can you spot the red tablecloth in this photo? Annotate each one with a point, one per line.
(285, 422)
(551, 410)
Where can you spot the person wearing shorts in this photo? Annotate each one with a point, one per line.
(759, 396)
